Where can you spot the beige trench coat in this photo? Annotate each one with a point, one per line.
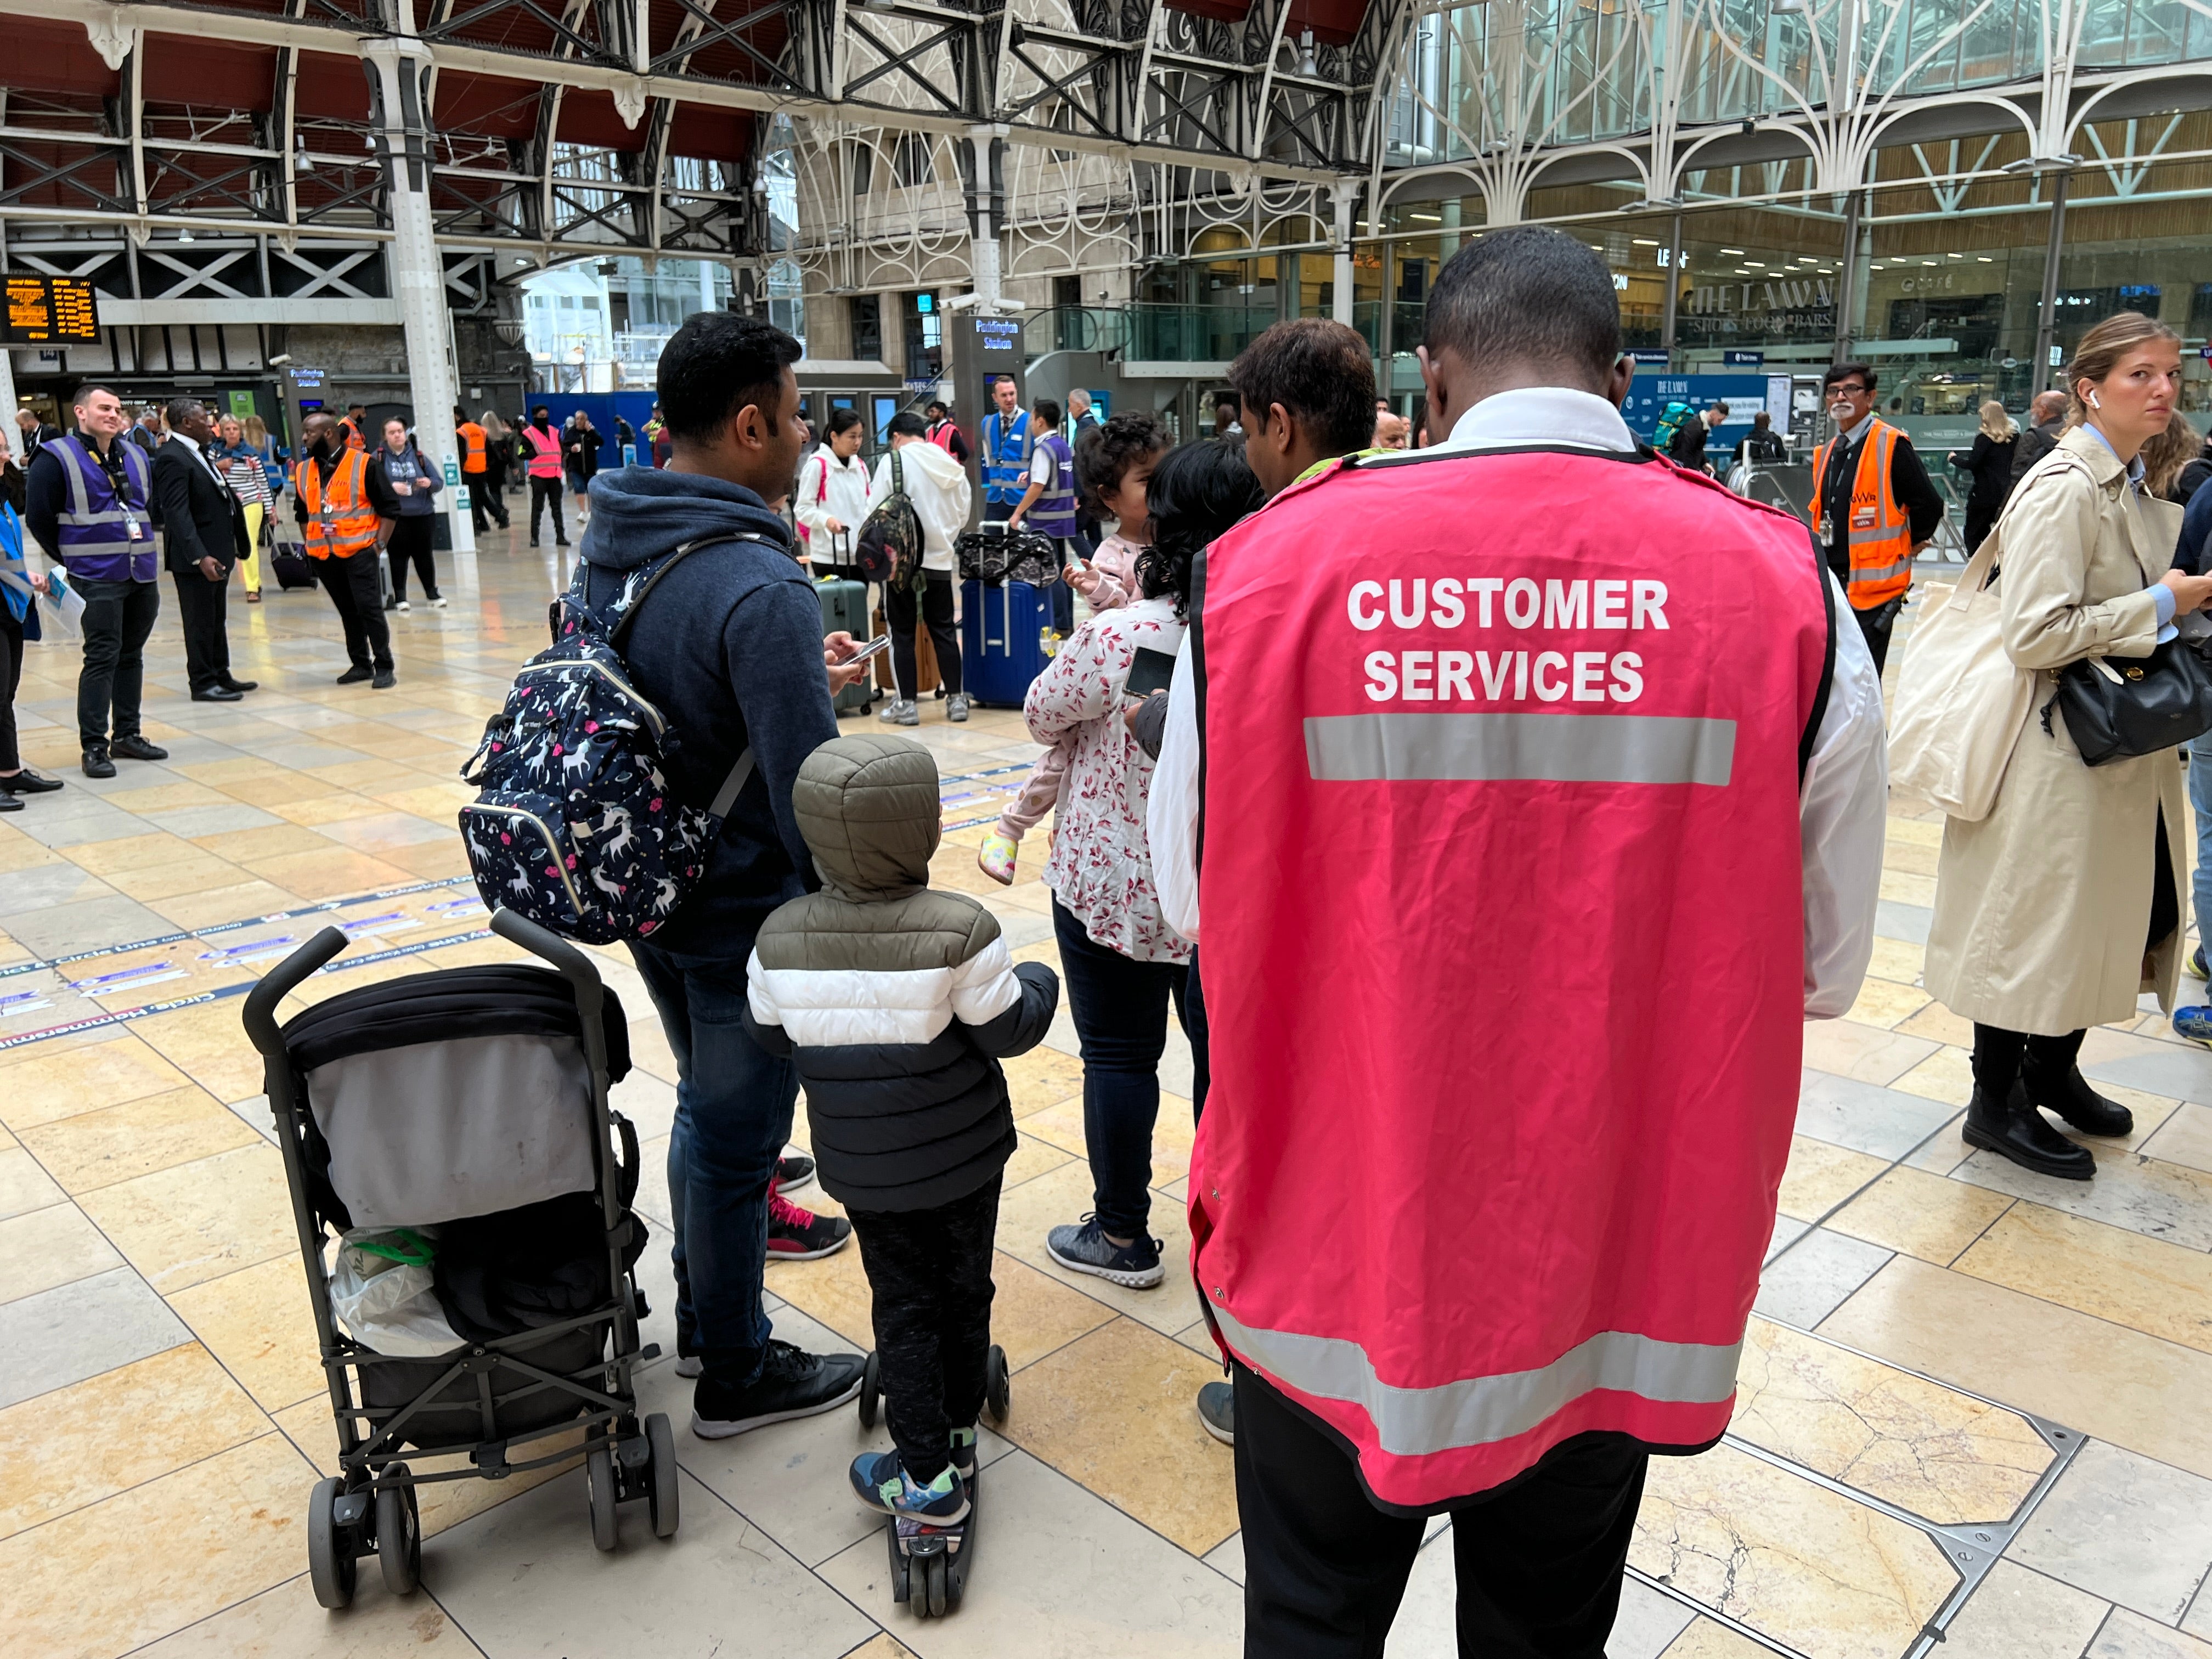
(2041, 908)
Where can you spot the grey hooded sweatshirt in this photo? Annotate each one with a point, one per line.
(897, 1001)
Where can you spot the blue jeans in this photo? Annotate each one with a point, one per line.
(1120, 1007)
(2200, 797)
(733, 1107)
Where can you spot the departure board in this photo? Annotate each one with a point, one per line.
(51, 311)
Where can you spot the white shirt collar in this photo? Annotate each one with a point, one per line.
(1858, 434)
(176, 437)
(1540, 415)
(2134, 467)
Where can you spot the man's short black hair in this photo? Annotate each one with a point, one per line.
(78, 398)
(540, 409)
(716, 364)
(1527, 295)
(180, 410)
(363, 408)
(935, 407)
(1319, 371)
(1847, 371)
(907, 424)
(1046, 411)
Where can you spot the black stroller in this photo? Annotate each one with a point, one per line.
(468, 1106)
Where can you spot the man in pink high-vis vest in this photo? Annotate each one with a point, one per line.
(1532, 797)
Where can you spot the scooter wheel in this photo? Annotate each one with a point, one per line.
(940, 1574)
(871, 1390)
(998, 1386)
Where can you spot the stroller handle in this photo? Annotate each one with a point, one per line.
(280, 982)
(573, 965)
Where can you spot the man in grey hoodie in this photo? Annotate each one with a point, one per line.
(730, 648)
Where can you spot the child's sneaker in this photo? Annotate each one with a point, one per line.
(881, 1482)
(1084, 1247)
(2196, 963)
(964, 1453)
(2195, 1023)
(797, 1235)
(997, 859)
(793, 1171)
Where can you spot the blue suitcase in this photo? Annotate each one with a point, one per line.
(1005, 632)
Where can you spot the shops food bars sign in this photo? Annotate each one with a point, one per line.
(51, 311)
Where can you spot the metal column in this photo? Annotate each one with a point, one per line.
(986, 206)
(1671, 300)
(399, 70)
(1847, 280)
(2046, 316)
(1342, 195)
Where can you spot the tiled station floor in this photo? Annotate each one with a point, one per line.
(1977, 1401)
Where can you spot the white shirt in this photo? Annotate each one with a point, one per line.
(1842, 805)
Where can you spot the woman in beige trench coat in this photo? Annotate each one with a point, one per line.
(2055, 912)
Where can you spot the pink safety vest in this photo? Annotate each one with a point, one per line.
(1502, 908)
(544, 451)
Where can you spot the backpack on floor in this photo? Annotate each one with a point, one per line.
(573, 825)
(890, 546)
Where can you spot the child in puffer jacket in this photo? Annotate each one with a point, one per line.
(1111, 467)
(898, 1002)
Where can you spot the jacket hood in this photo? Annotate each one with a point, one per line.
(868, 808)
(639, 512)
(927, 458)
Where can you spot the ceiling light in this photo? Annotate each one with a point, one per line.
(1427, 218)
(1737, 250)
(1874, 264)
(1927, 262)
(1643, 241)
(1306, 63)
(1756, 264)
(186, 235)
(1985, 258)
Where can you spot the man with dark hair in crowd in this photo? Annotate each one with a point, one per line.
(1873, 506)
(944, 431)
(1688, 447)
(1307, 393)
(1544, 722)
(2046, 418)
(88, 500)
(203, 535)
(729, 647)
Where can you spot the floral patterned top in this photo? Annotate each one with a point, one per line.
(1101, 868)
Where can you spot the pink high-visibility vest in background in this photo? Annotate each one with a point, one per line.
(1503, 948)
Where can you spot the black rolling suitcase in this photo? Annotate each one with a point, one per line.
(845, 605)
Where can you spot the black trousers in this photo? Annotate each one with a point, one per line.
(485, 490)
(1539, 1562)
(930, 1273)
(411, 541)
(359, 598)
(546, 492)
(933, 605)
(118, 616)
(11, 676)
(1875, 624)
(202, 607)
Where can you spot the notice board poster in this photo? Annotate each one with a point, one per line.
(51, 311)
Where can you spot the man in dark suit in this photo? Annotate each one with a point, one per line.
(32, 433)
(203, 530)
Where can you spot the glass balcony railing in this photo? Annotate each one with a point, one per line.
(1407, 321)
(1148, 333)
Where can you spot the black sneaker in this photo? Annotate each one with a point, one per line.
(791, 1384)
(135, 747)
(1217, 1412)
(355, 676)
(793, 1169)
(96, 763)
(1084, 1247)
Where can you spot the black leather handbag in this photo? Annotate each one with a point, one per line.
(2117, 708)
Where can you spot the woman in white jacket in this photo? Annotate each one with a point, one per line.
(938, 486)
(833, 500)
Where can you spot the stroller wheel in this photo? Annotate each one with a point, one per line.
(661, 1496)
(329, 1547)
(998, 1387)
(599, 1481)
(872, 1389)
(398, 1534)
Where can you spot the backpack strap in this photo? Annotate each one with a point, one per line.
(1812, 733)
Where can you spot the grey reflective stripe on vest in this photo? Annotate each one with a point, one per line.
(1501, 748)
(79, 514)
(1479, 1411)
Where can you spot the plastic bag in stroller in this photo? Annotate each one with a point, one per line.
(465, 1112)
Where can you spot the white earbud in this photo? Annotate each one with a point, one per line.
(2093, 402)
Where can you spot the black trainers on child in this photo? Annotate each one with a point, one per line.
(792, 1384)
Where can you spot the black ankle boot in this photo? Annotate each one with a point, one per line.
(2017, 1131)
(2073, 1099)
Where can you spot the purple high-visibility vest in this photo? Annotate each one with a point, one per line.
(1052, 512)
(104, 538)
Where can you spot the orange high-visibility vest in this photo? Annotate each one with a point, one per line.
(351, 433)
(1880, 534)
(345, 522)
(544, 451)
(472, 444)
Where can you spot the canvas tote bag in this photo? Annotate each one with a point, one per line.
(1961, 700)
